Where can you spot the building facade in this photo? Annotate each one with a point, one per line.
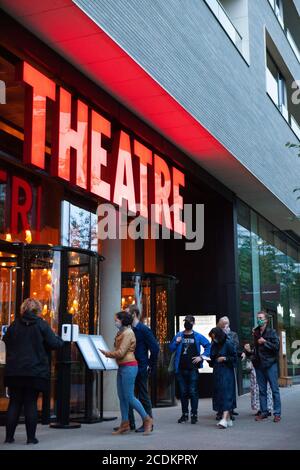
(187, 102)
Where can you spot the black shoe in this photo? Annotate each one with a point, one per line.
(219, 416)
(258, 413)
(194, 419)
(232, 417)
(183, 419)
(269, 413)
(141, 429)
(234, 413)
(9, 440)
(32, 441)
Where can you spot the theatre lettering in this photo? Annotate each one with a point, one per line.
(128, 171)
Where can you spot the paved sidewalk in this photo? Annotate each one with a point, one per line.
(168, 434)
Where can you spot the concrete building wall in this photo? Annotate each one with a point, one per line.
(184, 47)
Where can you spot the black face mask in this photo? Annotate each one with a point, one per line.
(188, 325)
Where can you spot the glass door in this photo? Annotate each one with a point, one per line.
(79, 281)
(10, 296)
(155, 297)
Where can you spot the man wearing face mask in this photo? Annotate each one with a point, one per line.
(188, 359)
(264, 357)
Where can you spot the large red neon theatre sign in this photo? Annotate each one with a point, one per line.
(131, 172)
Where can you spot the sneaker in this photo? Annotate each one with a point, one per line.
(183, 419)
(261, 417)
(258, 413)
(194, 419)
(222, 424)
(230, 423)
(277, 419)
(234, 413)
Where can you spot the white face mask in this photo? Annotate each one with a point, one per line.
(135, 321)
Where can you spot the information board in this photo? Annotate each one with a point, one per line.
(89, 346)
(99, 343)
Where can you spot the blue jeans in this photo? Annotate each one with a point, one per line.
(141, 392)
(125, 386)
(188, 387)
(263, 376)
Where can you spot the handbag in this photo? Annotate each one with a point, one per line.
(171, 367)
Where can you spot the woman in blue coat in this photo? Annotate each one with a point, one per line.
(223, 360)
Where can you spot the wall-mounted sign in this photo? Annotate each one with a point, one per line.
(283, 342)
(203, 325)
(129, 171)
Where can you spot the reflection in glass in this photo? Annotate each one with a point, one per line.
(269, 272)
(154, 295)
(44, 268)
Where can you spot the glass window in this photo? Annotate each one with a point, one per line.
(269, 274)
(78, 227)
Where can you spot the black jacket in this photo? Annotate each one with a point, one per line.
(265, 355)
(28, 340)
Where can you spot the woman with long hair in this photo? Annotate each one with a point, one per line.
(125, 343)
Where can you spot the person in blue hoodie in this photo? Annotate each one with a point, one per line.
(188, 359)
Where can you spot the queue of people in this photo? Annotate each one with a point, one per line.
(29, 339)
(222, 355)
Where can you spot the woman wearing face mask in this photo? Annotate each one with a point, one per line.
(125, 343)
(223, 360)
(224, 323)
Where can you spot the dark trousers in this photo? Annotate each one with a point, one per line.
(188, 388)
(142, 394)
(19, 397)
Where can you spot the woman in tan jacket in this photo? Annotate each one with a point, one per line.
(124, 354)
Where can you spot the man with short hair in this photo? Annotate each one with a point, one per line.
(188, 359)
(265, 361)
(145, 343)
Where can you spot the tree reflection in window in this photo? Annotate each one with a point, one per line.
(79, 227)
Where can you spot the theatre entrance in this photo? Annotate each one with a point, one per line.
(65, 281)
